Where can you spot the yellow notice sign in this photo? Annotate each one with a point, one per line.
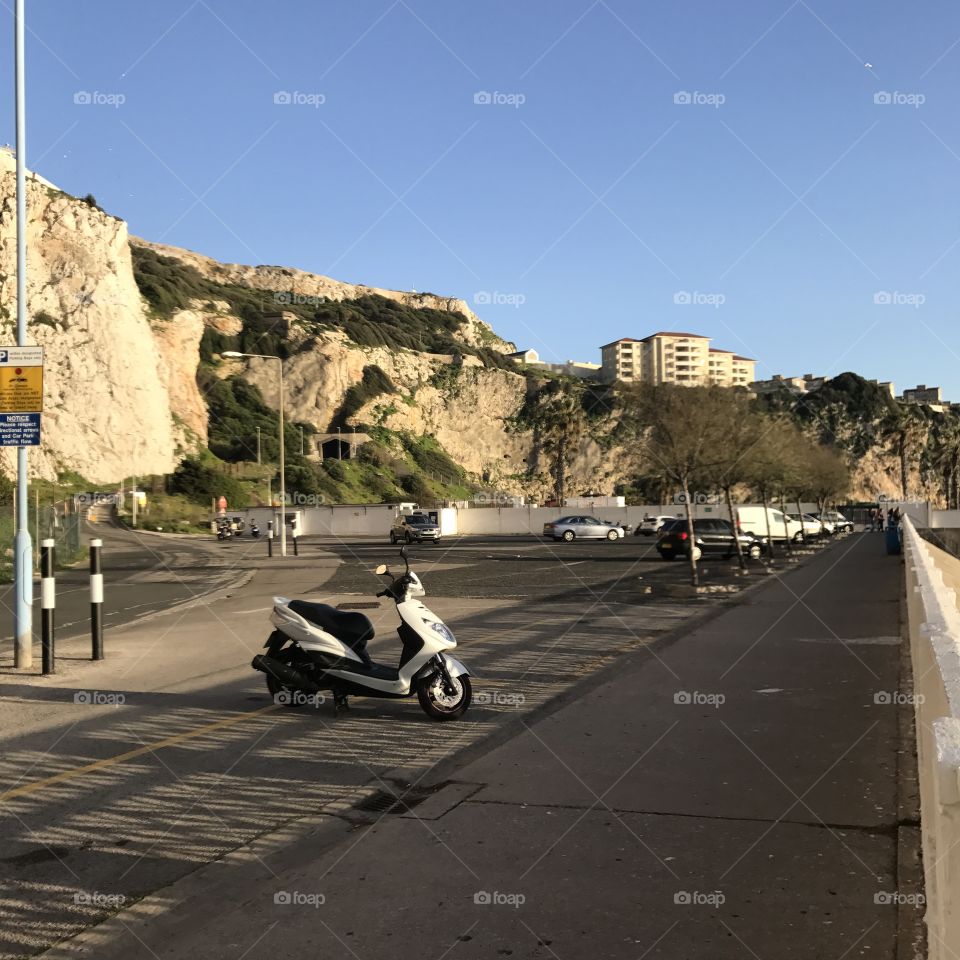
(21, 389)
(21, 379)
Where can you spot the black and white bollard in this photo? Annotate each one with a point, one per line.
(47, 605)
(293, 531)
(269, 538)
(96, 601)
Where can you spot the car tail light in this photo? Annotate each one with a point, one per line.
(683, 535)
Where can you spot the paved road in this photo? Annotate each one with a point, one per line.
(119, 778)
(641, 820)
(143, 573)
(521, 567)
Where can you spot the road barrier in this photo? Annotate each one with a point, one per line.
(48, 603)
(269, 538)
(96, 601)
(933, 588)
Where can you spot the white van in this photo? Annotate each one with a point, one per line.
(752, 520)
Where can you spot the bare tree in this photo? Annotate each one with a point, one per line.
(685, 433)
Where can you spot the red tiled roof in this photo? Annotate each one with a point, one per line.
(613, 343)
(748, 359)
(715, 350)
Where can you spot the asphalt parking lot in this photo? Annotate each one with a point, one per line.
(525, 566)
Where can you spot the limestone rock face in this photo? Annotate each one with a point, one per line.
(178, 348)
(106, 407)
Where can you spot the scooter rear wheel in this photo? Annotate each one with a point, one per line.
(439, 705)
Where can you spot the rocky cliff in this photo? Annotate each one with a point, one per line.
(131, 330)
(107, 407)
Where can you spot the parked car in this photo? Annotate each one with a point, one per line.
(840, 523)
(414, 527)
(812, 526)
(582, 528)
(649, 526)
(713, 537)
(782, 527)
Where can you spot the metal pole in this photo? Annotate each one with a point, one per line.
(96, 601)
(258, 444)
(283, 482)
(301, 441)
(339, 448)
(270, 538)
(48, 603)
(23, 544)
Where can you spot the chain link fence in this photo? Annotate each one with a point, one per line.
(62, 522)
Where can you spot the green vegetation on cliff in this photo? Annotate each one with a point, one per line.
(170, 285)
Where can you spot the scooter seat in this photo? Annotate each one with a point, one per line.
(354, 629)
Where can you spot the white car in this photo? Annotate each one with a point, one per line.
(650, 526)
(812, 527)
(840, 523)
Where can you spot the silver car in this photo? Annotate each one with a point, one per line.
(582, 528)
(414, 528)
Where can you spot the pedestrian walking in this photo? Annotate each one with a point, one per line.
(872, 518)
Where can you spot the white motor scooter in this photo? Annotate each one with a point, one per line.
(316, 647)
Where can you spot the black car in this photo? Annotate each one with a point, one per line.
(713, 537)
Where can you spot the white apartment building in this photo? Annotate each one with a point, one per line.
(671, 357)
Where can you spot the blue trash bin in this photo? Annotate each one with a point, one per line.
(893, 540)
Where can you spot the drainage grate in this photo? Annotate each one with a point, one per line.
(383, 801)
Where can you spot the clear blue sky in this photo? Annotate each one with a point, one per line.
(583, 211)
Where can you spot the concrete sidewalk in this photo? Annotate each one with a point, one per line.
(732, 795)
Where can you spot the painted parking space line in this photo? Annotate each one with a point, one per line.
(37, 785)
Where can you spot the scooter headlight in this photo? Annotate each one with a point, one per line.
(444, 632)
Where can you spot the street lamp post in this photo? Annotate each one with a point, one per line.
(23, 545)
(235, 355)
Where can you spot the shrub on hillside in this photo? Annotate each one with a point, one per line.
(202, 484)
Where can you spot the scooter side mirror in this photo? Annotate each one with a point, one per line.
(403, 553)
(381, 570)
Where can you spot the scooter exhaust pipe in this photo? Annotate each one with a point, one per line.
(283, 673)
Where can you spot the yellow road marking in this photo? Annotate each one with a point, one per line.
(38, 785)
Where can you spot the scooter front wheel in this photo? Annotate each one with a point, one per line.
(440, 705)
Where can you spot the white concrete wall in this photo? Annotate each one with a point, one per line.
(945, 518)
(933, 583)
